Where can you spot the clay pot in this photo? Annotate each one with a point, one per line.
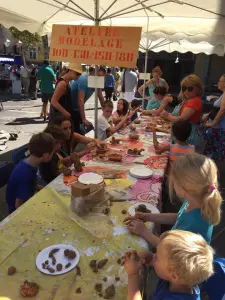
(134, 136)
(132, 128)
(137, 121)
(115, 157)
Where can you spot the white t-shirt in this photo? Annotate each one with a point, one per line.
(24, 72)
(103, 125)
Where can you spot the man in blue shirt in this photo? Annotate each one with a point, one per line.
(80, 94)
(23, 180)
(109, 84)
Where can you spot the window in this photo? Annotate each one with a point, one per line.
(33, 52)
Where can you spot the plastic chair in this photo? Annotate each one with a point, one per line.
(20, 153)
(6, 168)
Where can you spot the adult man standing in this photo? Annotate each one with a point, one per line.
(80, 94)
(129, 84)
(47, 77)
(25, 81)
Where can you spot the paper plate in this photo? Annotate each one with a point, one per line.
(60, 259)
(161, 133)
(90, 178)
(141, 172)
(153, 209)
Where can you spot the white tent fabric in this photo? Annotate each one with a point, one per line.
(194, 20)
(171, 44)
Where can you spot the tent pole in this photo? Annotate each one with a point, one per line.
(146, 63)
(96, 71)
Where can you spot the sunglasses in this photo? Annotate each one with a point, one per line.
(187, 88)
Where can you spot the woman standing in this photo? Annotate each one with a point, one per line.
(191, 108)
(215, 121)
(61, 103)
(33, 82)
(151, 84)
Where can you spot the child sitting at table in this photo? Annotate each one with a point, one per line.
(105, 129)
(50, 170)
(122, 110)
(181, 130)
(23, 180)
(135, 106)
(183, 260)
(193, 178)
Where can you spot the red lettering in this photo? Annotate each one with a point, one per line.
(108, 31)
(116, 32)
(69, 40)
(110, 43)
(130, 56)
(92, 31)
(92, 42)
(101, 43)
(76, 54)
(122, 56)
(85, 42)
(83, 31)
(118, 43)
(77, 41)
(61, 40)
(60, 52)
(108, 56)
(68, 30)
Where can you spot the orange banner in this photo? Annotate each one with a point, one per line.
(100, 45)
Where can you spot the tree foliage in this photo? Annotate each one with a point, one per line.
(26, 37)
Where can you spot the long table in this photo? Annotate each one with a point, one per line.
(43, 221)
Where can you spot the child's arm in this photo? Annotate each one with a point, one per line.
(113, 129)
(161, 218)
(159, 148)
(132, 267)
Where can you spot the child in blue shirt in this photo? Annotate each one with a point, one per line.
(182, 261)
(194, 178)
(23, 180)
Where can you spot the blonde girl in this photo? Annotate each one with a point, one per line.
(194, 178)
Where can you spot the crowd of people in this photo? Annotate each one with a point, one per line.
(184, 257)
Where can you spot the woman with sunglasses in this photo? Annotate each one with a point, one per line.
(191, 108)
(215, 122)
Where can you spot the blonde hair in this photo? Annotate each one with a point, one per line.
(197, 175)
(195, 81)
(189, 256)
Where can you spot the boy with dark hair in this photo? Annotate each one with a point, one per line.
(181, 130)
(135, 104)
(50, 170)
(23, 180)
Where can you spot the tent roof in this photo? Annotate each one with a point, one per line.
(201, 20)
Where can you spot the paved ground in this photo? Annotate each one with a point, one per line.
(22, 109)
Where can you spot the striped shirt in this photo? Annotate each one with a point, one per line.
(177, 150)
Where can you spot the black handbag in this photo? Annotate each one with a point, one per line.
(213, 112)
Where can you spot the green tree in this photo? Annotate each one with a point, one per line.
(27, 38)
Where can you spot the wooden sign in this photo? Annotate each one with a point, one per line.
(100, 45)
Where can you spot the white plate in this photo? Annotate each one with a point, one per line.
(90, 178)
(161, 133)
(135, 155)
(60, 259)
(153, 209)
(141, 172)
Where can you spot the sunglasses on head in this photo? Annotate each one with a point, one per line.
(187, 88)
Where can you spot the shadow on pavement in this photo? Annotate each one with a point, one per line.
(25, 121)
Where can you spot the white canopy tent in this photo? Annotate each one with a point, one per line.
(191, 20)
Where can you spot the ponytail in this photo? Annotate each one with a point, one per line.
(211, 206)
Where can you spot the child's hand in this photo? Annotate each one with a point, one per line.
(164, 114)
(91, 145)
(138, 216)
(131, 265)
(137, 227)
(146, 257)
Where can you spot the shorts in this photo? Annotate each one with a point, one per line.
(129, 96)
(45, 97)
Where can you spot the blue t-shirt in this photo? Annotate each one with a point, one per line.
(162, 293)
(47, 76)
(80, 85)
(193, 221)
(21, 184)
(109, 80)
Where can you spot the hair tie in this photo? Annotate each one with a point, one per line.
(212, 187)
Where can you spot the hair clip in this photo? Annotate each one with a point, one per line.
(212, 187)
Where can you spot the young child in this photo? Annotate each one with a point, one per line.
(105, 129)
(181, 130)
(194, 178)
(23, 180)
(135, 106)
(122, 110)
(50, 170)
(183, 260)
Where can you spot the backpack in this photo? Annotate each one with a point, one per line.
(214, 287)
